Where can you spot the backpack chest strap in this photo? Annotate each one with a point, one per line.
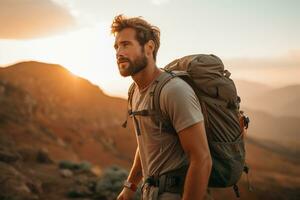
(155, 111)
(133, 114)
(141, 113)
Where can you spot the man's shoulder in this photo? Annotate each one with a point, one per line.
(179, 102)
(176, 86)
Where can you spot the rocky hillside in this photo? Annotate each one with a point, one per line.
(44, 105)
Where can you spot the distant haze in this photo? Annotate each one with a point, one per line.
(277, 71)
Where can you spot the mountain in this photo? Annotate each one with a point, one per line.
(283, 131)
(44, 105)
(280, 102)
(275, 101)
(250, 89)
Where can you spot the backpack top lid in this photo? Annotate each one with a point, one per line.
(208, 74)
(209, 66)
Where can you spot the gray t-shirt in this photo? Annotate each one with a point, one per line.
(161, 151)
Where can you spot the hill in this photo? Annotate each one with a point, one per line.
(275, 101)
(44, 105)
(250, 89)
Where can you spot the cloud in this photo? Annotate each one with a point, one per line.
(24, 19)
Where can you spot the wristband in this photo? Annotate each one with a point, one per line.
(130, 186)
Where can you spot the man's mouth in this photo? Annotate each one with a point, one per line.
(120, 61)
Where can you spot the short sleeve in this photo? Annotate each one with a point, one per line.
(179, 101)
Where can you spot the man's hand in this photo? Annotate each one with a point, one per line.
(135, 176)
(126, 194)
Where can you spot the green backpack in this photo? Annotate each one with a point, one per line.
(225, 124)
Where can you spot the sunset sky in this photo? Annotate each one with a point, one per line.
(258, 40)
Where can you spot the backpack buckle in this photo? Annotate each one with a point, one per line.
(227, 74)
(246, 121)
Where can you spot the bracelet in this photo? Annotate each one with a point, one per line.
(130, 186)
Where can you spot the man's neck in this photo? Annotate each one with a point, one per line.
(146, 76)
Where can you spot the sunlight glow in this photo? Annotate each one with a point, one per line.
(87, 52)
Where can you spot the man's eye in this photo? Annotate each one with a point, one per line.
(125, 44)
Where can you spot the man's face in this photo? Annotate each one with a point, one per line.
(130, 55)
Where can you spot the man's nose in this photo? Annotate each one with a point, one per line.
(119, 52)
(119, 55)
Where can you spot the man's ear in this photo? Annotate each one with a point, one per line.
(149, 48)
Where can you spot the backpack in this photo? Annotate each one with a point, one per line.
(225, 124)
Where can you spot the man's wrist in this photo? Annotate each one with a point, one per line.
(129, 185)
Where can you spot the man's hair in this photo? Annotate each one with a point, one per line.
(144, 30)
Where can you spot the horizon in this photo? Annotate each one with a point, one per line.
(124, 95)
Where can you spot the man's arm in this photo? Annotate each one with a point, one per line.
(135, 176)
(194, 143)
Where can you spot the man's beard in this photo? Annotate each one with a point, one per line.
(134, 66)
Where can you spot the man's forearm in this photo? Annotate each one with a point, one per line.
(197, 179)
(136, 174)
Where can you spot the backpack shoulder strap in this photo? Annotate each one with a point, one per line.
(130, 95)
(159, 118)
(160, 83)
(155, 100)
(129, 105)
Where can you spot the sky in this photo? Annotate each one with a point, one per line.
(257, 40)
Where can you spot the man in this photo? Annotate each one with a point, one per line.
(158, 151)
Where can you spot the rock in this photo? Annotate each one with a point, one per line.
(8, 157)
(66, 164)
(66, 173)
(83, 166)
(27, 154)
(35, 187)
(61, 143)
(96, 170)
(14, 185)
(80, 191)
(81, 179)
(8, 171)
(43, 157)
